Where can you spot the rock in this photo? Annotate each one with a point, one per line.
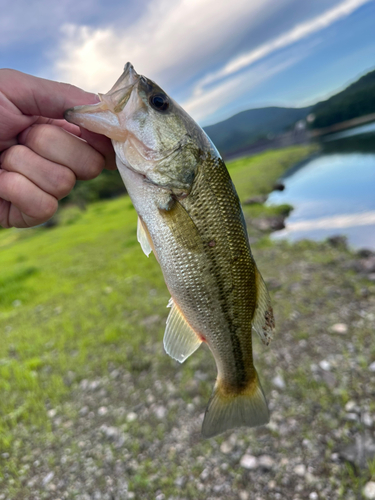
(300, 470)
(48, 478)
(366, 266)
(249, 462)
(131, 416)
(351, 406)
(226, 447)
(273, 223)
(243, 495)
(279, 186)
(150, 320)
(180, 481)
(278, 382)
(266, 462)
(360, 452)
(325, 365)
(256, 200)
(339, 328)
(103, 410)
(160, 412)
(367, 419)
(372, 367)
(369, 490)
(313, 496)
(111, 433)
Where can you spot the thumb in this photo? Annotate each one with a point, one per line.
(40, 97)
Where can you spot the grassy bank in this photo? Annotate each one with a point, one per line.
(91, 405)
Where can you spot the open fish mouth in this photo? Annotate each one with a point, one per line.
(102, 117)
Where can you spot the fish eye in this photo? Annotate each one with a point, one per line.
(159, 102)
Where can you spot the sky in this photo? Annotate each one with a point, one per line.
(215, 57)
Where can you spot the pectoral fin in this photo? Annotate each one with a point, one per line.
(143, 237)
(182, 226)
(180, 340)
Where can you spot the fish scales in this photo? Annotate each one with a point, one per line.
(191, 217)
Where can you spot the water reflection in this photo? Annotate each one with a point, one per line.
(334, 193)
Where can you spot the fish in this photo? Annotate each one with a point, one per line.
(190, 216)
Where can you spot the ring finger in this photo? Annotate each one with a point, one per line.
(51, 177)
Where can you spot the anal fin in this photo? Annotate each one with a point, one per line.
(180, 340)
(143, 237)
(263, 321)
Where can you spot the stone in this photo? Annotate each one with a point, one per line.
(160, 412)
(266, 462)
(339, 328)
(278, 382)
(48, 478)
(300, 470)
(131, 416)
(367, 419)
(369, 490)
(256, 200)
(226, 447)
(249, 462)
(360, 452)
(325, 365)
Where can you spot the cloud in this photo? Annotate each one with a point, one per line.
(171, 42)
(296, 34)
(335, 222)
(190, 47)
(28, 22)
(202, 105)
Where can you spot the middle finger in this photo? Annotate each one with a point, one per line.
(55, 144)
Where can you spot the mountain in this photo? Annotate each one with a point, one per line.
(356, 100)
(245, 128)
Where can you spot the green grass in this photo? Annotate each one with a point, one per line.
(71, 293)
(74, 300)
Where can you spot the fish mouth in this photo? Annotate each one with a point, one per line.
(102, 117)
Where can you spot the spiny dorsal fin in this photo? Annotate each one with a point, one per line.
(263, 321)
(143, 237)
(180, 340)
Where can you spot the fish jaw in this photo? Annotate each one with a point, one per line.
(104, 117)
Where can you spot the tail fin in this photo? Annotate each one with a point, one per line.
(226, 411)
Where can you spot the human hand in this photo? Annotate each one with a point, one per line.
(42, 155)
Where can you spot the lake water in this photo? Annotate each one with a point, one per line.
(333, 193)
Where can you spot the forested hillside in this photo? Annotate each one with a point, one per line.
(356, 100)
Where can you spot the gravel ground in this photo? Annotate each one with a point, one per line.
(136, 434)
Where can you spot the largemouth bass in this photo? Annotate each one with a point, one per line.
(191, 218)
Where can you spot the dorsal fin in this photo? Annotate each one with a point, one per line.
(263, 321)
(180, 340)
(143, 237)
